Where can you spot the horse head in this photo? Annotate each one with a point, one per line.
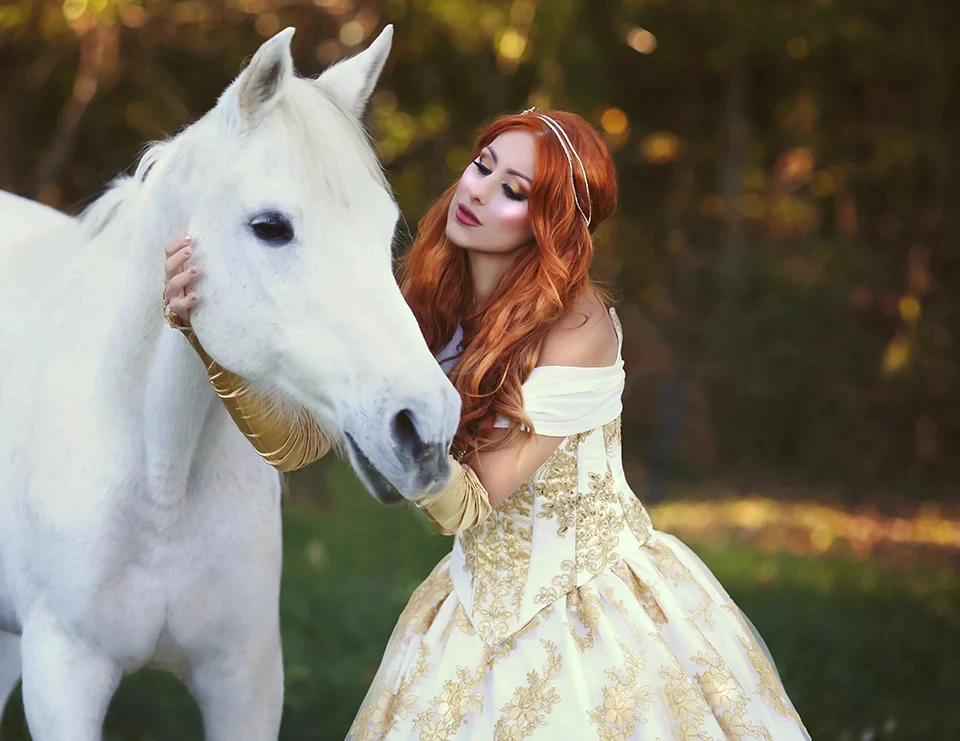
(294, 223)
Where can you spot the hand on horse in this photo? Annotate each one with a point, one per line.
(177, 278)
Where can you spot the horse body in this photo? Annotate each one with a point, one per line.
(138, 527)
(157, 541)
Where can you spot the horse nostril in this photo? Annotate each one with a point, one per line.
(409, 443)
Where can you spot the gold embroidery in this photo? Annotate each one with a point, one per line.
(701, 617)
(527, 709)
(495, 653)
(726, 698)
(447, 712)
(497, 555)
(769, 687)
(638, 520)
(612, 435)
(379, 716)
(670, 566)
(599, 522)
(646, 594)
(580, 437)
(425, 602)
(558, 486)
(624, 702)
(686, 704)
(562, 583)
(461, 621)
(583, 605)
(421, 609)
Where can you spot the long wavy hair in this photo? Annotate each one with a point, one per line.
(503, 337)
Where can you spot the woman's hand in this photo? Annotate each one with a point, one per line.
(177, 279)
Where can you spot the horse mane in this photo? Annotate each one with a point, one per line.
(101, 213)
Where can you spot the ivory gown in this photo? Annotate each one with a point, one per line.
(566, 615)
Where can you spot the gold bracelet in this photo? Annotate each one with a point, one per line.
(173, 319)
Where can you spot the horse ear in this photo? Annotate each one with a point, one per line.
(352, 80)
(258, 87)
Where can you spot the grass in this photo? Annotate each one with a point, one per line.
(867, 649)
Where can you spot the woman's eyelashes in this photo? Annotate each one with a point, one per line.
(508, 191)
(512, 194)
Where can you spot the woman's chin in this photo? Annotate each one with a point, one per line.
(456, 233)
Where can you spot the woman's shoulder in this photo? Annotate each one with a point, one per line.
(583, 336)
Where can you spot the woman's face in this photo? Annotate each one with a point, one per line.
(488, 212)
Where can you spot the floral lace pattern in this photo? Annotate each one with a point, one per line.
(582, 513)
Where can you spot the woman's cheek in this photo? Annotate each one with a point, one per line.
(513, 216)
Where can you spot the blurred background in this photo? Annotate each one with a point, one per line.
(786, 258)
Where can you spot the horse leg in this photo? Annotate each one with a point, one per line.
(67, 684)
(241, 694)
(9, 667)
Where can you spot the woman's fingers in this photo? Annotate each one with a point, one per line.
(174, 263)
(181, 306)
(177, 279)
(176, 243)
(180, 281)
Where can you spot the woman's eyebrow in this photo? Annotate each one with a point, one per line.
(511, 171)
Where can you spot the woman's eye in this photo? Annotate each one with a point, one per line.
(512, 194)
(273, 228)
(484, 170)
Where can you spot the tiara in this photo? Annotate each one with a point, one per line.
(571, 153)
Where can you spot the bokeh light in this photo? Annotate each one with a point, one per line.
(660, 147)
(351, 33)
(642, 40)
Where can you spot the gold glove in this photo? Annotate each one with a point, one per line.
(462, 505)
(285, 443)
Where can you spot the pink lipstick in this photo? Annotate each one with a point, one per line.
(467, 217)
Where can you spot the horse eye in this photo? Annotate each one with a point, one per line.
(273, 228)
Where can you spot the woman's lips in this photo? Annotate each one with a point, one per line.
(466, 217)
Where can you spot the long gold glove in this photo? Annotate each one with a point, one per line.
(462, 505)
(285, 443)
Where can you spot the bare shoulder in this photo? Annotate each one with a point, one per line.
(584, 336)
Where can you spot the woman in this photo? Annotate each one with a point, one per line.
(561, 612)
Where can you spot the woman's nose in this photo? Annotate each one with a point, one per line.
(479, 191)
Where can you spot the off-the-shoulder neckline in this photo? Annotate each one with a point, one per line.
(594, 368)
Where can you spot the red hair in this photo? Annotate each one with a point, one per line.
(502, 338)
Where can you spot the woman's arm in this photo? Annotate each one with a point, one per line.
(504, 470)
(573, 341)
(285, 442)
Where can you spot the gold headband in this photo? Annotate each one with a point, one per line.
(571, 153)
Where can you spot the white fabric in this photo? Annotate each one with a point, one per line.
(563, 400)
(447, 357)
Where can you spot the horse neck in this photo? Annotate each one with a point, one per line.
(174, 404)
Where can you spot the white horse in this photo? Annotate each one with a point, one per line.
(138, 527)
